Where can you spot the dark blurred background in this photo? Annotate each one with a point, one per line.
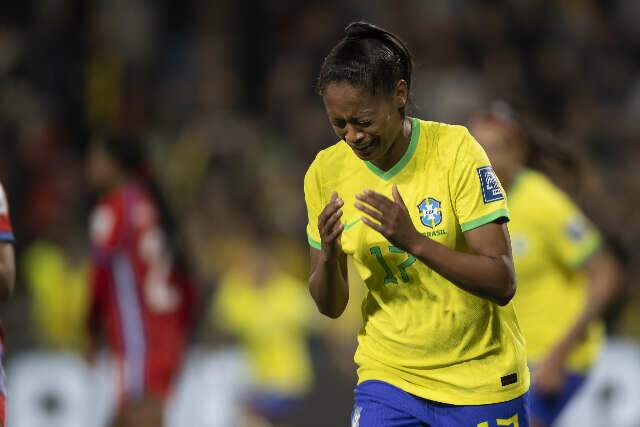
(223, 92)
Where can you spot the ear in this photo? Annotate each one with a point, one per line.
(401, 94)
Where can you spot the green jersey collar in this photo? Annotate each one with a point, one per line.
(413, 144)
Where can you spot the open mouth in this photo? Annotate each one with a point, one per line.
(367, 149)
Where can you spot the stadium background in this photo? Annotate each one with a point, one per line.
(223, 91)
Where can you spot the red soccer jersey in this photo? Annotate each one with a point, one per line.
(139, 299)
(6, 233)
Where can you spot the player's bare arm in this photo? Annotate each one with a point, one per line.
(327, 282)
(603, 273)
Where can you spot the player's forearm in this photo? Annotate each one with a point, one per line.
(490, 277)
(603, 275)
(328, 285)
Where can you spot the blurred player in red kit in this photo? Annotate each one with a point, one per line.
(142, 296)
(7, 281)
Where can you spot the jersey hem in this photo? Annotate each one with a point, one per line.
(477, 398)
(6, 237)
(485, 219)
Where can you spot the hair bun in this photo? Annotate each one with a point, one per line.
(364, 30)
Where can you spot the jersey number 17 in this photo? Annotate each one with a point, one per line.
(402, 267)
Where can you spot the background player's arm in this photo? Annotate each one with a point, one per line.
(487, 272)
(7, 270)
(328, 283)
(603, 285)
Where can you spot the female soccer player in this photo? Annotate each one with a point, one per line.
(7, 281)
(418, 208)
(565, 277)
(141, 292)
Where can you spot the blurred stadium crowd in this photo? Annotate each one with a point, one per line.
(223, 93)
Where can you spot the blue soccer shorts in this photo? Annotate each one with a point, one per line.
(378, 404)
(545, 407)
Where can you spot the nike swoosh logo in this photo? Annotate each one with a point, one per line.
(351, 224)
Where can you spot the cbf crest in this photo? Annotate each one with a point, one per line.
(430, 212)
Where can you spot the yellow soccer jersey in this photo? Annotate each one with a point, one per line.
(59, 295)
(273, 333)
(421, 333)
(551, 239)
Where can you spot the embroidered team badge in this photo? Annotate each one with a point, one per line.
(430, 212)
(491, 190)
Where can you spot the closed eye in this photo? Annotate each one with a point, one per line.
(339, 123)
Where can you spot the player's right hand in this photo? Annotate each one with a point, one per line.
(330, 226)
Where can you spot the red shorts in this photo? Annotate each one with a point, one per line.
(155, 377)
(2, 410)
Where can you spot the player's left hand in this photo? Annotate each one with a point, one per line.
(549, 376)
(392, 216)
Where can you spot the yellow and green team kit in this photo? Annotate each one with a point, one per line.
(551, 239)
(274, 337)
(422, 333)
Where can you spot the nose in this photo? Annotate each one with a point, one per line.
(353, 135)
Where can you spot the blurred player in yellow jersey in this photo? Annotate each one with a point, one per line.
(269, 312)
(416, 206)
(566, 277)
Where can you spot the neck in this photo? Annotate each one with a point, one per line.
(398, 147)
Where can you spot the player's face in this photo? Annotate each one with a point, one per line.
(494, 139)
(368, 123)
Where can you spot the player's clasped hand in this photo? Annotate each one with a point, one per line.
(392, 216)
(329, 224)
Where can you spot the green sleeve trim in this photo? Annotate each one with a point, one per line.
(313, 243)
(484, 219)
(593, 248)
